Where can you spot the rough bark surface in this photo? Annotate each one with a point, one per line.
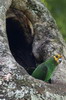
(47, 42)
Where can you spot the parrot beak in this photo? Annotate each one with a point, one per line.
(59, 60)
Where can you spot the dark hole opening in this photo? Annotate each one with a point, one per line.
(20, 48)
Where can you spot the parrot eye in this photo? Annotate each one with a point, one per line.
(56, 56)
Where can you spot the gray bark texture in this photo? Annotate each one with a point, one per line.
(47, 41)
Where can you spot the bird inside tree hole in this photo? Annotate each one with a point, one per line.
(20, 48)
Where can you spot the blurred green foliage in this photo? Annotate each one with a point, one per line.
(58, 11)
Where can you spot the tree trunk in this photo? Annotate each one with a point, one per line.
(28, 36)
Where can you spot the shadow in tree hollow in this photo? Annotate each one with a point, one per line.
(20, 48)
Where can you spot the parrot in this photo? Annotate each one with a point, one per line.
(44, 70)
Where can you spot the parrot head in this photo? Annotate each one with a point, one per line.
(58, 58)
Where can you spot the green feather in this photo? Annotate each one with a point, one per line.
(45, 70)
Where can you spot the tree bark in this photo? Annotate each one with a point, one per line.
(47, 41)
